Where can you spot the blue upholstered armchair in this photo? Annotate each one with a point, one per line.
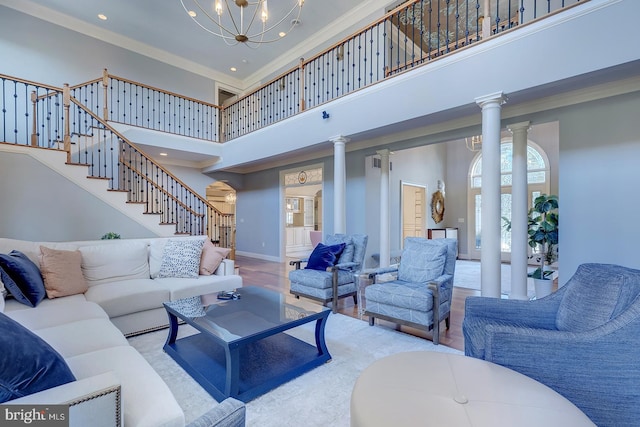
(421, 295)
(336, 281)
(583, 341)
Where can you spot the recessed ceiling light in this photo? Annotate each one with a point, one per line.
(234, 69)
(163, 154)
(192, 14)
(102, 16)
(282, 34)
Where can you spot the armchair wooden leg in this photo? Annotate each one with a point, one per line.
(355, 299)
(371, 320)
(447, 321)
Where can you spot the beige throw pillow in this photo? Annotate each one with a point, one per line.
(62, 272)
(211, 258)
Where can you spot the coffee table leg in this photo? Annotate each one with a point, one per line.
(232, 382)
(173, 329)
(321, 345)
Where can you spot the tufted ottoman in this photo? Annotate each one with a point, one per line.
(425, 388)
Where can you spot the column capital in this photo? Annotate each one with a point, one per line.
(384, 152)
(339, 139)
(513, 127)
(492, 98)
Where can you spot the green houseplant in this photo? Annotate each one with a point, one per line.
(543, 232)
(110, 235)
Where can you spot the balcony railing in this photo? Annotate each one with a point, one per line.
(47, 117)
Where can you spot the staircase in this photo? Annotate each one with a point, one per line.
(53, 127)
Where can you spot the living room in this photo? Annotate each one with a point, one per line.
(596, 133)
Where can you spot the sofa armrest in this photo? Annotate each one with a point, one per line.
(94, 401)
(226, 267)
(229, 413)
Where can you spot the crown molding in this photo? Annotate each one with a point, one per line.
(73, 24)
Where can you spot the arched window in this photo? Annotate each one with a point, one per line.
(537, 178)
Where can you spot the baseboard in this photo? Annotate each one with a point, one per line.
(259, 256)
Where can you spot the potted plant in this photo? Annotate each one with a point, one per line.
(543, 237)
(110, 235)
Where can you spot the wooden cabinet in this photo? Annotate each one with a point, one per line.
(442, 233)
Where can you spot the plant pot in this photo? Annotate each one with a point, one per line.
(542, 287)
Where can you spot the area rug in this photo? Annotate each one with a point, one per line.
(318, 398)
(467, 275)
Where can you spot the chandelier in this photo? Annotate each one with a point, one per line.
(241, 21)
(230, 198)
(474, 143)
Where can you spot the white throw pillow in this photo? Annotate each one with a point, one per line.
(120, 260)
(181, 258)
(3, 293)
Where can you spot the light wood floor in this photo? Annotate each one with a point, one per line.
(273, 275)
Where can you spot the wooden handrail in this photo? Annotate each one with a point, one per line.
(32, 83)
(166, 193)
(147, 157)
(177, 95)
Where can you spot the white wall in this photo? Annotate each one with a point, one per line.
(39, 204)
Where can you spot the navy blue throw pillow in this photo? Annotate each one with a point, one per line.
(22, 278)
(324, 256)
(28, 364)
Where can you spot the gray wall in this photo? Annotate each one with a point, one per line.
(37, 50)
(599, 176)
(39, 204)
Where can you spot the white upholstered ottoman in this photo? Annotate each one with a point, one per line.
(426, 388)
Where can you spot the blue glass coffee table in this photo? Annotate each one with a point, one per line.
(242, 349)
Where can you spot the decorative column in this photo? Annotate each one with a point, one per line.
(519, 203)
(385, 251)
(339, 184)
(490, 277)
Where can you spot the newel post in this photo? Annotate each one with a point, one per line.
(105, 87)
(34, 128)
(301, 84)
(66, 102)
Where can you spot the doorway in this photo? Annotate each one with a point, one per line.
(302, 210)
(413, 207)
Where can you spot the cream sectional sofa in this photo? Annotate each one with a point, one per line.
(114, 384)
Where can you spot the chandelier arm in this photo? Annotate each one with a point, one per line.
(212, 19)
(233, 20)
(266, 29)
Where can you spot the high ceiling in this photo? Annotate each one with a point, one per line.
(162, 29)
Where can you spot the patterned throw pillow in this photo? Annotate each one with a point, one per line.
(181, 258)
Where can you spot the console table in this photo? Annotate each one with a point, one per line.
(426, 388)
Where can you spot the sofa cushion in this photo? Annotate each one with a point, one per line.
(128, 296)
(22, 278)
(324, 256)
(117, 260)
(62, 272)
(181, 258)
(592, 302)
(28, 364)
(422, 260)
(148, 401)
(58, 311)
(88, 335)
(211, 257)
